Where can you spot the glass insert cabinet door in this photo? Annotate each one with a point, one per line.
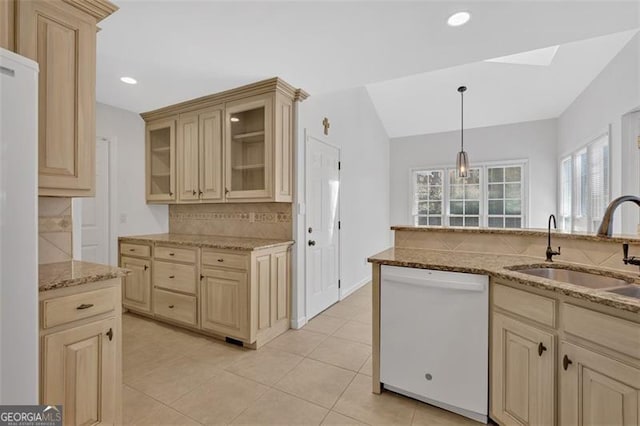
(161, 145)
(249, 153)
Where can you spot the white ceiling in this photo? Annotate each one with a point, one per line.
(498, 93)
(183, 49)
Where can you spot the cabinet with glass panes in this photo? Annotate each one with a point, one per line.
(160, 159)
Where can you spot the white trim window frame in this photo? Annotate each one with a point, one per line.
(589, 168)
(484, 217)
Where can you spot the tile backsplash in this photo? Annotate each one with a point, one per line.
(54, 230)
(256, 220)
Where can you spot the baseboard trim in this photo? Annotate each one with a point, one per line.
(299, 323)
(346, 293)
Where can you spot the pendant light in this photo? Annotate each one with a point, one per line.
(462, 162)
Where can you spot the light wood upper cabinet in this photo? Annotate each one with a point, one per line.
(248, 147)
(78, 373)
(210, 138)
(596, 389)
(136, 287)
(235, 146)
(199, 156)
(522, 373)
(160, 159)
(61, 36)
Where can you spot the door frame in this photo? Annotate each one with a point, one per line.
(112, 212)
(308, 137)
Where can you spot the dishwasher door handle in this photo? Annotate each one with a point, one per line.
(446, 285)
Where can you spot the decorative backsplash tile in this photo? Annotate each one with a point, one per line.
(257, 220)
(54, 230)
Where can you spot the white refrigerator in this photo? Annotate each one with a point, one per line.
(18, 229)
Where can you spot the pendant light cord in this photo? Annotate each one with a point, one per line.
(462, 121)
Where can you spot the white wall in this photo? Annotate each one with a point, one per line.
(126, 130)
(613, 93)
(364, 210)
(534, 141)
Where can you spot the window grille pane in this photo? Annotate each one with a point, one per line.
(513, 174)
(456, 221)
(464, 199)
(513, 222)
(496, 191)
(428, 197)
(457, 207)
(496, 207)
(505, 196)
(496, 174)
(512, 190)
(512, 207)
(496, 222)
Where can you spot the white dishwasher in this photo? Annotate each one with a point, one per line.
(434, 338)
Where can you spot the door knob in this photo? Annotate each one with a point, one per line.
(310, 229)
(110, 334)
(193, 192)
(311, 243)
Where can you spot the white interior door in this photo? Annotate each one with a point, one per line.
(95, 211)
(322, 216)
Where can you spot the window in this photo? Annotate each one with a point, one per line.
(428, 197)
(585, 186)
(505, 197)
(492, 195)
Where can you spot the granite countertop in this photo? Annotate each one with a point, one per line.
(498, 266)
(208, 241)
(75, 272)
(632, 239)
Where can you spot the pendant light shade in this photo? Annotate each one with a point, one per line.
(462, 161)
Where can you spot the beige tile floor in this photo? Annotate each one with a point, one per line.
(320, 374)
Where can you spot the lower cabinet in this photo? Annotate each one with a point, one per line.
(522, 373)
(136, 289)
(80, 354)
(596, 389)
(224, 297)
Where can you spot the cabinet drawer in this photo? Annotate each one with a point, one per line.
(528, 305)
(177, 307)
(614, 333)
(140, 250)
(174, 276)
(75, 307)
(187, 255)
(225, 259)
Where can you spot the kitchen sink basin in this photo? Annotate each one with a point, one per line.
(629, 291)
(583, 279)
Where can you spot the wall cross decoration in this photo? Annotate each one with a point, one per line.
(326, 125)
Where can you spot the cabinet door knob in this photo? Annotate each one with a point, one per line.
(200, 193)
(146, 267)
(194, 192)
(541, 348)
(171, 306)
(566, 362)
(172, 276)
(110, 334)
(220, 260)
(312, 243)
(85, 306)
(132, 249)
(226, 191)
(172, 254)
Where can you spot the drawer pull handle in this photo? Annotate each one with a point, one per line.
(541, 348)
(220, 260)
(171, 306)
(85, 306)
(172, 254)
(110, 334)
(172, 276)
(132, 249)
(566, 362)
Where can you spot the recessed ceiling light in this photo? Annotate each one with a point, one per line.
(234, 119)
(128, 80)
(458, 19)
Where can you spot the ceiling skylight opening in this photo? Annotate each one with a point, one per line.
(458, 19)
(538, 57)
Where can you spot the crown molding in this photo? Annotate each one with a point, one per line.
(99, 9)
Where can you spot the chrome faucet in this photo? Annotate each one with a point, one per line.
(550, 251)
(606, 227)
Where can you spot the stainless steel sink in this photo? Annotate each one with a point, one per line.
(583, 279)
(629, 291)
